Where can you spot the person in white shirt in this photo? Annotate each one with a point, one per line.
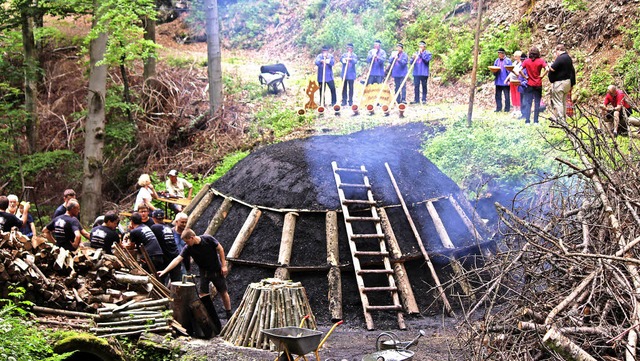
(176, 187)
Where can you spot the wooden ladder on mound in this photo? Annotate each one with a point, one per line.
(381, 254)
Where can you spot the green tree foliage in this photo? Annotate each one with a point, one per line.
(600, 79)
(627, 66)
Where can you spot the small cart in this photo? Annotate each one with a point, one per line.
(297, 341)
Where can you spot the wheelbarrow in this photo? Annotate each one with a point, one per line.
(392, 349)
(297, 341)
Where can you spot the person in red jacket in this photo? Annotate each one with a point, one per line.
(535, 70)
(615, 105)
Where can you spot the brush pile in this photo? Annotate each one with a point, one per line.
(566, 285)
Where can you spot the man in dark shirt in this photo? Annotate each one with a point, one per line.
(209, 256)
(66, 196)
(144, 213)
(164, 234)
(105, 235)
(142, 236)
(64, 230)
(8, 220)
(562, 76)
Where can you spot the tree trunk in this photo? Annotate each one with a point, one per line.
(476, 47)
(30, 82)
(149, 34)
(94, 130)
(214, 56)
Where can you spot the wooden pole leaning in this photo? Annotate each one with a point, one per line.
(323, 86)
(432, 269)
(366, 80)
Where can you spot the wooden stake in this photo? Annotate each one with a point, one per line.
(334, 277)
(437, 222)
(400, 273)
(199, 209)
(194, 202)
(244, 234)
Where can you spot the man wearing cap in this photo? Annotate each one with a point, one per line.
(348, 60)
(66, 196)
(375, 60)
(502, 89)
(164, 235)
(400, 61)
(324, 62)
(105, 235)
(175, 188)
(420, 73)
(562, 76)
(64, 230)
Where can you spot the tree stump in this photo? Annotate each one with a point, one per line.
(270, 303)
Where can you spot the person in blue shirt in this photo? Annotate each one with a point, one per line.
(376, 59)
(420, 73)
(348, 61)
(324, 62)
(400, 61)
(501, 77)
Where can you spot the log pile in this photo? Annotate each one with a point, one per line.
(270, 303)
(85, 283)
(566, 285)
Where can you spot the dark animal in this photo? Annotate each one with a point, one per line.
(272, 76)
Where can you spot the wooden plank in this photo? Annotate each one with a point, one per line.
(437, 222)
(219, 217)
(199, 209)
(416, 234)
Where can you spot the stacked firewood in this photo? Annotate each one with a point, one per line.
(85, 281)
(566, 285)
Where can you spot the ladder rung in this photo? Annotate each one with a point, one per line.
(378, 271)
(367, 236)
(384, 308)
(359, 201)
(353, 185)
(362, 219)
(370, 253)
(350, 170)
(379, 289)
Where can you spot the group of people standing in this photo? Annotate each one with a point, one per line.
(399, 64)
(523, 83)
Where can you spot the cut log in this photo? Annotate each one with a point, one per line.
(286, 242)
(131, 279)
(399, 271)
(244, 234)
(219, 217)
(437, 222)
(53, 311)
(564, 346)
(194, 202)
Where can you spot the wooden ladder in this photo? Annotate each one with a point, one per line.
(361, 197)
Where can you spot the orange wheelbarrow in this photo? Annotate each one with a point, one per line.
(297, 341)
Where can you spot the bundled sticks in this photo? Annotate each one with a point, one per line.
(270, 303)
(566, 284)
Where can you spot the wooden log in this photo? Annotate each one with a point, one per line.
(199, 209)
(132, 321)
(155, 329)
(53, 311)
(244, 234)
(286, 242)
(416, 234)
(461, 278)
(564, 346)
(219, 217)
(399, 271)
(334, 276)
(37, 270)
(155, 324)
(465, 219)
(282, 273)
(437, 222)
(131, 279)
(194, 202)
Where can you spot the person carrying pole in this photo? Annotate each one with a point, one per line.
(376, 57)
(399, 72)
(324, 62)
(401, 86)
(421, 73)
(348, 60)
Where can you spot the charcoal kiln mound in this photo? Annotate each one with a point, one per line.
(250, 204)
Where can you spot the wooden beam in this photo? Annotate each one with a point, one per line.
(334, 277)
(437, 222)
(199, 209)
(197, 199)
(244, 234)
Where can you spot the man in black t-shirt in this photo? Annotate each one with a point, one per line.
(209, 256)
(64, 230)
(562, 76)
(105, 235)
(144, 214)
(68, 195)
(164, 234)
(142, 236)
(8, 220)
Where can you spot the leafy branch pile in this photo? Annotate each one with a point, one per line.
(565, 286)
